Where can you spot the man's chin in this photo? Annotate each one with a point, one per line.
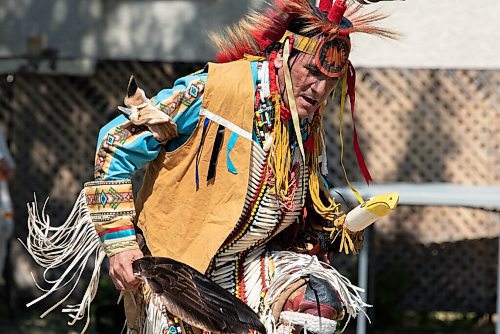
(303, 112)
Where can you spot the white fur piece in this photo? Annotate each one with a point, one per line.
(309, 322)
(138, 115)
(69, 246)
(290, 267)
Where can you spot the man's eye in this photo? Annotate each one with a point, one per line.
(315, 72)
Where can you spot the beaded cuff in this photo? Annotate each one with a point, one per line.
(111, 208)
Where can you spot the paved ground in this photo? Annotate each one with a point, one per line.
(56, 324)
(107, 318)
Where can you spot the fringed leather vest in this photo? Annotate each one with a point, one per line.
(190, 200)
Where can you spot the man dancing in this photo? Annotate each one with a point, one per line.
(234, 157)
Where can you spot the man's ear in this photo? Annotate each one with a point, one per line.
(278, 61)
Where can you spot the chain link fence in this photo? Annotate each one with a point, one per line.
(414, 126)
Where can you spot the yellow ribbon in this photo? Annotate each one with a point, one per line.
(291, 98)
(305, 44)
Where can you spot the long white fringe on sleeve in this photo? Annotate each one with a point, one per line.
(66, 248)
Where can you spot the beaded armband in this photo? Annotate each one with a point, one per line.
(111, 208)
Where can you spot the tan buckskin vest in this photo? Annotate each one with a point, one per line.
(189, 224)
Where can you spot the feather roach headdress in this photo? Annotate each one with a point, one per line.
(311, 27)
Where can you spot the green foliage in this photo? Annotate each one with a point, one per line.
(108, 316)
(391, 283)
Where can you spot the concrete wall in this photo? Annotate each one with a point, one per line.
(436, 34)
(117, 29)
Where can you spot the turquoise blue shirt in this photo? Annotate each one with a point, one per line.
(128, 151)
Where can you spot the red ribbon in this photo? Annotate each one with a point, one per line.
(257, 100)
(351, 92)
(309, 143)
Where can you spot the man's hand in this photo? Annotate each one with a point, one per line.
(120, 269)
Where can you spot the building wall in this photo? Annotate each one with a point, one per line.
(435, 34)
(118, 29)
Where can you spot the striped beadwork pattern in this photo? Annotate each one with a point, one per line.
(109, 199)
(111, 208)
(234, 267)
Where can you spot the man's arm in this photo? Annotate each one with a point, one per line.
(127, 144)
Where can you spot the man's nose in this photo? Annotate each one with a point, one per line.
(320, 87)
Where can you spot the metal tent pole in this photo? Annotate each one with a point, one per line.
(363, 279)
(497, 328)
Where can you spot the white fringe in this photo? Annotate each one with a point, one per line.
(155, 318)
(156, 321)
(70, 245)
(291, 266)
(269, 322)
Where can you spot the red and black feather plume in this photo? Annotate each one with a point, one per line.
(259, 29)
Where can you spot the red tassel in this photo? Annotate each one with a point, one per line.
(285, 114)
(337, 11)
(351, 91)
(325, 5)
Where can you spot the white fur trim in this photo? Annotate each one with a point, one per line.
(309, 322)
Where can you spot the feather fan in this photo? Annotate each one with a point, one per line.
(195, 299)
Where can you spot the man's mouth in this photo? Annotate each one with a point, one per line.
(309, 100)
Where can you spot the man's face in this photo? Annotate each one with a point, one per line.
(310, 87)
